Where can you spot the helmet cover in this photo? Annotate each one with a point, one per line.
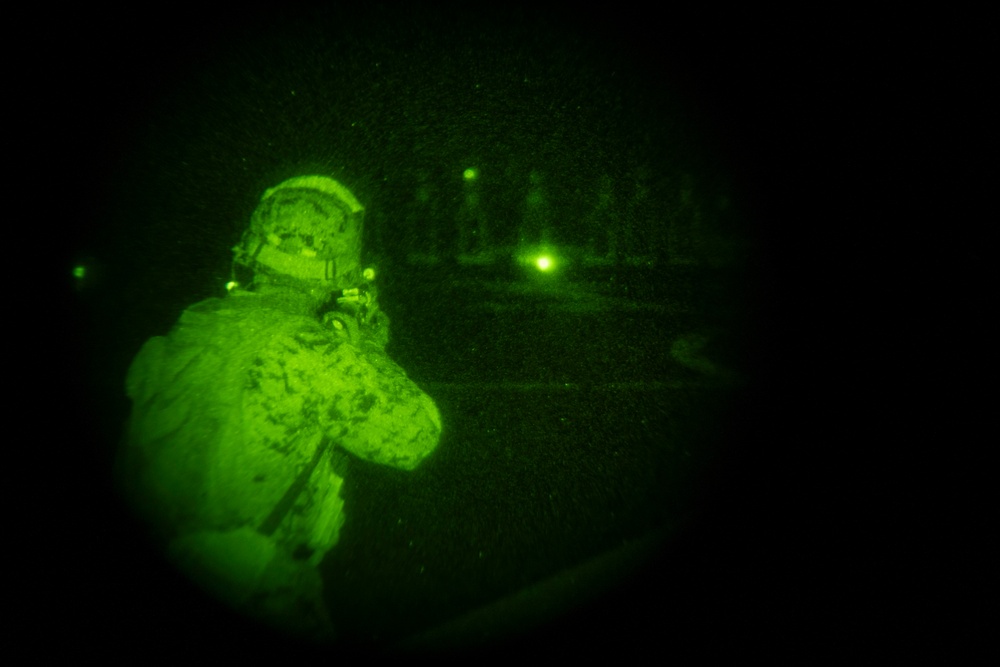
(308, 227)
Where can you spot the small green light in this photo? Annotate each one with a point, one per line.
(79, 271)
(544, 263)
(470, 174)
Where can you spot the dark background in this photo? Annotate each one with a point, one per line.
(790, 503)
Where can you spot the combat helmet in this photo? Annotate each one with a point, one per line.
(307, 228)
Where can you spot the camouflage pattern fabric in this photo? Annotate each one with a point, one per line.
(241, 401)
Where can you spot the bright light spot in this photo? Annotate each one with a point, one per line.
(470, 174)
(79, 271)
(543, 263)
